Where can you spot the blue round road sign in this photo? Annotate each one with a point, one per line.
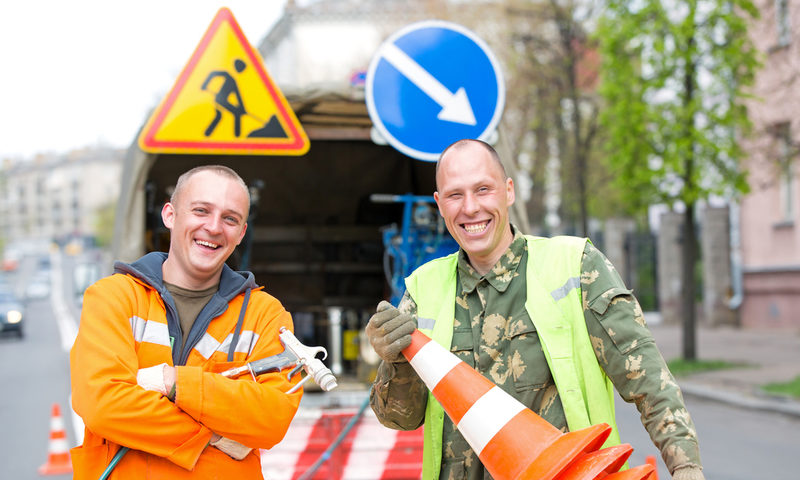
(433, 83)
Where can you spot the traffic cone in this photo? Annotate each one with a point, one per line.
(58, 461)
(511, 441)
(651, 460)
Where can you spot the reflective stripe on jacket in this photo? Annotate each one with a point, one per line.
(124, 328)
(554, 305)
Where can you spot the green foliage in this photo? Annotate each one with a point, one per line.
(791, 388)
(681, 367)
(104, 224)
(674, 78)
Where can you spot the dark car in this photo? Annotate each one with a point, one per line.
(11, 313)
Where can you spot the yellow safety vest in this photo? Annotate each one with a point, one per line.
(555, 306)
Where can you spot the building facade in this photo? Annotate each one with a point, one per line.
(770, 213)
(56, 196)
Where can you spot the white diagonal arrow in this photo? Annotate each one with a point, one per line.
(455, 106)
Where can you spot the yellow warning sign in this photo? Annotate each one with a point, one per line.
(224, 102)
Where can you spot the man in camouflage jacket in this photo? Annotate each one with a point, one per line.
(494, 334)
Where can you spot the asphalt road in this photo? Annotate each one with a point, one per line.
(735, 444)
(34, 374)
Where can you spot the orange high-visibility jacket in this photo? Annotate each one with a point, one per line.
(128, 323)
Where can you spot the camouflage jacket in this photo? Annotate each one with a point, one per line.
(623, 345)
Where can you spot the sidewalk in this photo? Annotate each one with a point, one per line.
(771, 356)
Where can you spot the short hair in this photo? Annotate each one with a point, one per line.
(218, 169)
(459, 144)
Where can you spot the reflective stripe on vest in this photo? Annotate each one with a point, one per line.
(586, 393)
(149, 331)
(208, 344)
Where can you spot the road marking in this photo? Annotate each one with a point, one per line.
(77, 423)
(67, 328)
(455, 106)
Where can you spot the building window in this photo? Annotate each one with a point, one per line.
(782, 22)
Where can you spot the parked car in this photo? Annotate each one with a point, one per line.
(11, 313)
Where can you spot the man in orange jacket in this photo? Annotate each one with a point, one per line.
(154, 336)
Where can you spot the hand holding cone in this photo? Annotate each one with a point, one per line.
(512, 441)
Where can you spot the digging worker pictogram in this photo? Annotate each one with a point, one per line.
(548, 320)
(228, 89)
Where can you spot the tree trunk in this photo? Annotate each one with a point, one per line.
(688, 294)
(689, 243)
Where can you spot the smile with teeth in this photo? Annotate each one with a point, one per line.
(475, 227)
(206, 244)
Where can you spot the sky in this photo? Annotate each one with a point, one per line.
(83, 73)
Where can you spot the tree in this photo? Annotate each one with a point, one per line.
(552, 105)
(674, 78)
(104, 224)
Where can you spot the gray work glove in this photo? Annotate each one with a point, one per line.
(232, 448)
(389, 332)
(688, 473)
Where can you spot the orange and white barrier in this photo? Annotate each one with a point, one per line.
(370, 451)
(58, 461)
(511, 440)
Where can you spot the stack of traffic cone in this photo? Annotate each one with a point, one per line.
(512, 441)
(651, 460)
(58, 460)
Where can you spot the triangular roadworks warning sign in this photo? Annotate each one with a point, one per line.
(224, 102)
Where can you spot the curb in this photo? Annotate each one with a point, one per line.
(768, 403)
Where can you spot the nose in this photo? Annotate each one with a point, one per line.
(471, 205)
(214, 224)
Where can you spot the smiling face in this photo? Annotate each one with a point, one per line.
(207, 220)
(473, 197)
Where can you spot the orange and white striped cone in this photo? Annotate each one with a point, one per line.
(511, 440)
(651, 460)
(58, 461)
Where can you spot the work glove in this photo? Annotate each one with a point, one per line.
(232, 448)
(389, 332)
(688, 473)
(152, 378)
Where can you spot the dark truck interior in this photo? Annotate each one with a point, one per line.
(314, 235)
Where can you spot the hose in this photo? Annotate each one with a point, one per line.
(326, 455)
(113, 463)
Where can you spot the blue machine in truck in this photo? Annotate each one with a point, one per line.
(422, 236)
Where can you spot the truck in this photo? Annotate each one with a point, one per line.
(325, 232)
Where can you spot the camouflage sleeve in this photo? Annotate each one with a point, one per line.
(628, 354)
(398, 396)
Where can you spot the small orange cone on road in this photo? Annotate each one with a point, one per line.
(58, 461)
(512, 441)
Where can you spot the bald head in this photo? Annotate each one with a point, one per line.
(473, 194)
(463, 146)
(218, 169)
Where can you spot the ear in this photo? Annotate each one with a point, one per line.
(510, 194)
(436, 199)
(168, 215)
